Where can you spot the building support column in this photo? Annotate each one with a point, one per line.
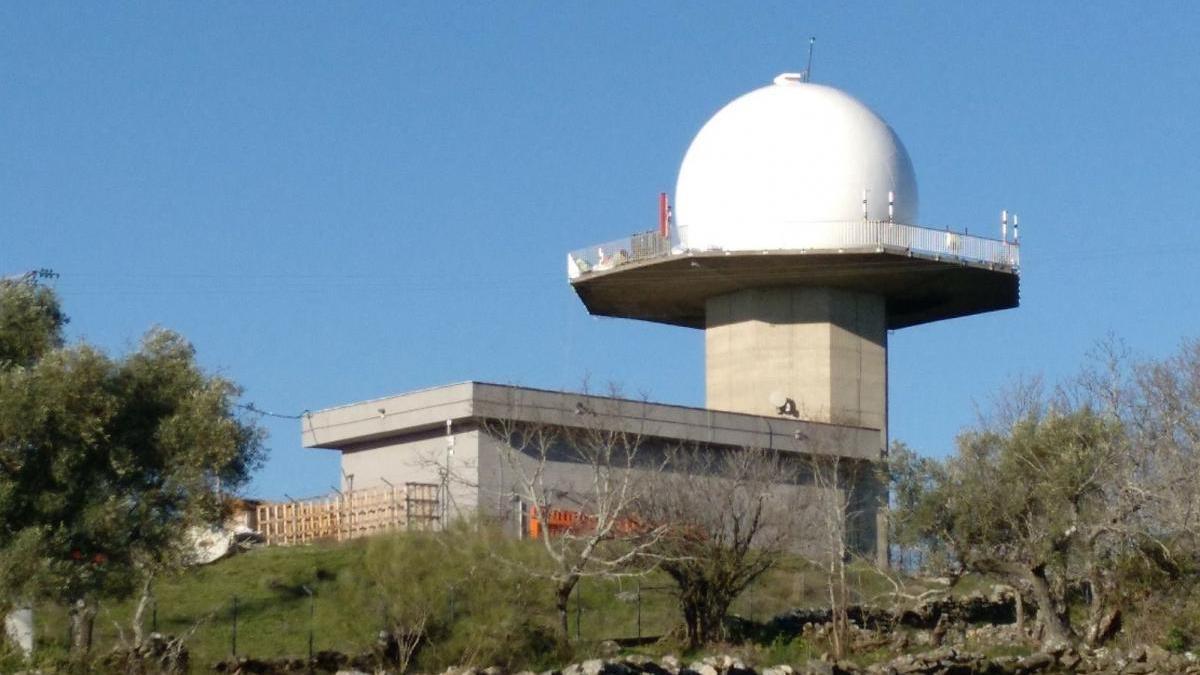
(821, 353)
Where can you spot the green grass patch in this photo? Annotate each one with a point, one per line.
(791, 651)
(273, 614)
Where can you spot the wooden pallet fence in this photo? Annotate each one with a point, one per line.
(351, 514)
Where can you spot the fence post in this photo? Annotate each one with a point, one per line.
(233, 634)
(312, 609)
(295, 521)
(391, 505)
(408, 506)
(639, 608)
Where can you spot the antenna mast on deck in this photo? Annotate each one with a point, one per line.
(808, 68)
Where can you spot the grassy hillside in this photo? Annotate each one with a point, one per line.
(348, 608)
(273, 609)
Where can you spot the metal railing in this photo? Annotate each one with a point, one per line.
(827, 237)
(610, 254)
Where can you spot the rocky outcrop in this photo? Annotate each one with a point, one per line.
(942, 661)
(326, 662)
(998, 607)
(932, 635)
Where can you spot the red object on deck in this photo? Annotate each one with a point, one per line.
(664, 218)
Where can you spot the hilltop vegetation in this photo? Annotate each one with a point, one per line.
(476, 607)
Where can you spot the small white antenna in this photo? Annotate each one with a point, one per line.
(891, 206)
(808, 69)
(864, 205)
(1016, 230)
(1004, 225)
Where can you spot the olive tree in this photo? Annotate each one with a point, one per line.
(31, 321)
(1059, 493)
(105, 463)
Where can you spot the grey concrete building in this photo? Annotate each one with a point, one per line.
(454, 437)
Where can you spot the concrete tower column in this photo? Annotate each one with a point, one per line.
(824, 348)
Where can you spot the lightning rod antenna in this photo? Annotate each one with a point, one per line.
(808, 69)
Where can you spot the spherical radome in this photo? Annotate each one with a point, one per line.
(785, 165)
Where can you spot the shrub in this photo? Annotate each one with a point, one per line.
(466, 597)
(1177, 640)
(792, 651)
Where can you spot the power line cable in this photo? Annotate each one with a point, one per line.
(266, 413)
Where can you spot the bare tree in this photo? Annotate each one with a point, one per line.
(724, 528)
(155, 653)
(831, 506)
(1153, 514)
(1163, 413)
(838, 512)
(577, 478)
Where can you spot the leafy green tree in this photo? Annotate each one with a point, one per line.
(1086, 500)
(911, 477)
(31, 322)
(105, 464)
(1031, 504)
(1056, 499)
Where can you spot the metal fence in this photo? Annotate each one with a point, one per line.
(826, 237)
(610, 254)
(351, 514)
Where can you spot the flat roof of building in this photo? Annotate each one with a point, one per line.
(419, 412)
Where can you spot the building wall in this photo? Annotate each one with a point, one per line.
(403, 439)
(805, 498)
(418, 458)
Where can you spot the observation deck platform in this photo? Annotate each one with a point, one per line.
(925, 274)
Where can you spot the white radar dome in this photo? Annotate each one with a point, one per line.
(786, 166)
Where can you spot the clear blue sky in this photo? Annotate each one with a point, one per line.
(342, 201)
